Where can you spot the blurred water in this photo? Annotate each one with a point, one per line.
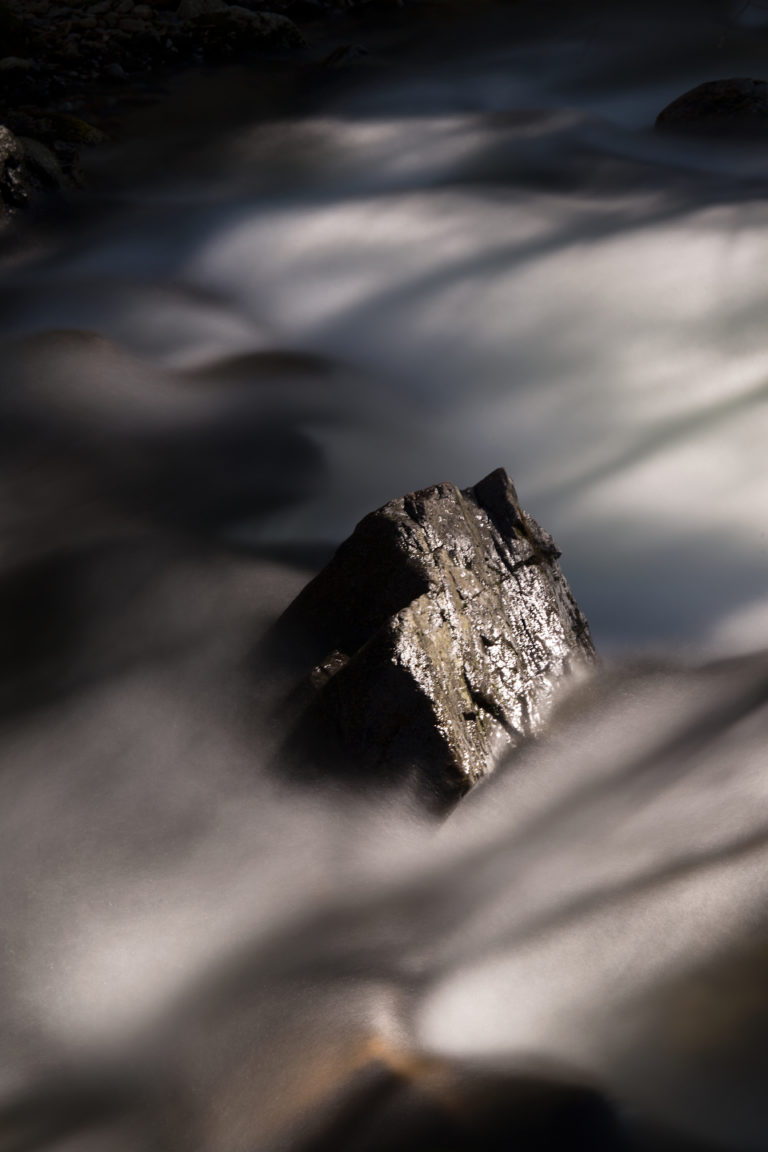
(519, 272)
(469, 253)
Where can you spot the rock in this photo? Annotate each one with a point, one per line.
(736, 107)
(16, 64)
(43, 162)
(191, 9)
(231, 29)
(14, 183)
(74, 130)
(436, 639)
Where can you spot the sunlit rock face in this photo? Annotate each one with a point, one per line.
(438, 636)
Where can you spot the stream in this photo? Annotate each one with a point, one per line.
(465, 249)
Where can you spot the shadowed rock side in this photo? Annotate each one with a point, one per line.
(437, 638)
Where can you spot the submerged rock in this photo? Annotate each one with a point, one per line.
(735, 107)
(435, 639)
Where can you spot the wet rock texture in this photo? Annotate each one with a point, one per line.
(14, 191)
(735, 107)
(438, 637)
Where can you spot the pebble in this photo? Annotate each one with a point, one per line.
(143, 11)
(125, 6)
(128, 24)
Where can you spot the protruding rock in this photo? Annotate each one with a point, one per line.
(730, 108)
(436, 638)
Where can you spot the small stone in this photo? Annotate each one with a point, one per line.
(14, 186)
(116, 71)
(89, 22)
(128, 24)
(74, 130)
(143, 11)
(124, 7)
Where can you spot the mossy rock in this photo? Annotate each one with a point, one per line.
(74, 130)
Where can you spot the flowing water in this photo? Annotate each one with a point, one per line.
(466, 250)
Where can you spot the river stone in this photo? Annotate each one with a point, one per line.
(736, 107)
(14, 178)
(437, 638)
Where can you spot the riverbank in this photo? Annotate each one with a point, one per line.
(72, 75)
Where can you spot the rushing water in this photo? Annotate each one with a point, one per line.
(467, 253)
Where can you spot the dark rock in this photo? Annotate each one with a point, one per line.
(14, 178)
(731, 108)
(233, 31)
(433, 1105)
(437, 638)
(42, 162)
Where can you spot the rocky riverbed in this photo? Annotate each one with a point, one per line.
(71, 72)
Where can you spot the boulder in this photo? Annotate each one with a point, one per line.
(436, 639)
(730, 108)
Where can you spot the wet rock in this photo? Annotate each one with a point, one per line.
(729, 108)
(14, 179)
(437, 638)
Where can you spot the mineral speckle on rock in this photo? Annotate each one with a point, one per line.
(14, 181)
(435, 640)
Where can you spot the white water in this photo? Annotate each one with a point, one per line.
(492, 261)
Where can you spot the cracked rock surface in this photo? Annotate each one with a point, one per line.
(436, 638)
